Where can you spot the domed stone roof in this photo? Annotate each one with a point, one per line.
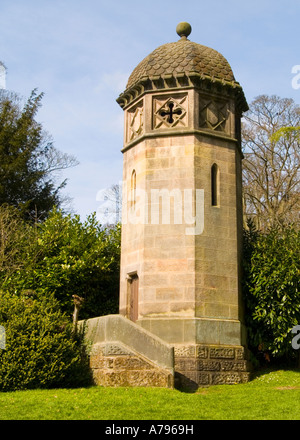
(183, 56)
(181, 64)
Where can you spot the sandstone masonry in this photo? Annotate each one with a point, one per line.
(181, 243)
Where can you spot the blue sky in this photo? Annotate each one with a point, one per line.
(81, 52)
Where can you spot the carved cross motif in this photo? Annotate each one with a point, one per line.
(171, 112)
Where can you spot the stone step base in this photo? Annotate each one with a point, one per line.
(122, 353)
(204, 365)
(116, 365)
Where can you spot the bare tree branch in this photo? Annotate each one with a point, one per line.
(271, 168)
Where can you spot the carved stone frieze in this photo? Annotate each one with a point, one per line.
(202, 365)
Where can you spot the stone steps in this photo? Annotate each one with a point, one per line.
(124, 354)
(115, 364)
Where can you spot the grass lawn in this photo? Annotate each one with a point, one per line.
(270, 396)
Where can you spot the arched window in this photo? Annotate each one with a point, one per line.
(215, 185)
(133, 188)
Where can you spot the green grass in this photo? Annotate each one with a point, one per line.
(272, 395)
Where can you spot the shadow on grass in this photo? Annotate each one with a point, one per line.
(185, 385)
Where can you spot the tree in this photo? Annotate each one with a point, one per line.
(28, 158)
(15, 234)
(271, 167)
(110, 210)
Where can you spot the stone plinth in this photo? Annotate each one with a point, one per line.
(203, 365)
(123, 353)
(196, 330)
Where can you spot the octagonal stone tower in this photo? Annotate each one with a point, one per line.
(182, 208)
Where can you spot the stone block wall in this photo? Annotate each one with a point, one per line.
(114, 364)
(204, 365)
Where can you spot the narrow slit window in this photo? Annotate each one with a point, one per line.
(133, 188)
(215, 190)
(133, 298)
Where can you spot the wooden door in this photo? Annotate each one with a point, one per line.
(134, 298)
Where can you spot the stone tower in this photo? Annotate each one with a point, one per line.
(182, 208)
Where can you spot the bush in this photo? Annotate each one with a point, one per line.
(40, 351)
(41, 267)
(271, 289)
(66, 257)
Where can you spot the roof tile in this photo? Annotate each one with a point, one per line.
(182, 56)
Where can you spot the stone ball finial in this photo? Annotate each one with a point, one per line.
(183, 29)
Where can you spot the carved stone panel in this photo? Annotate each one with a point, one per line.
(170, 112)
(214, 115)
(135, 122)
(202, 365)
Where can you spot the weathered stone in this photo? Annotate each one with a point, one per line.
(201, 352)
(131, 363)
(116, 349)
(233, 366)
(240, 353)
(102, 362)
(207, 365)
(227, 378)
(203, 379)
(221, 353)
(131, 377)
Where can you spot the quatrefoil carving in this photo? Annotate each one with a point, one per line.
(171, 112)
